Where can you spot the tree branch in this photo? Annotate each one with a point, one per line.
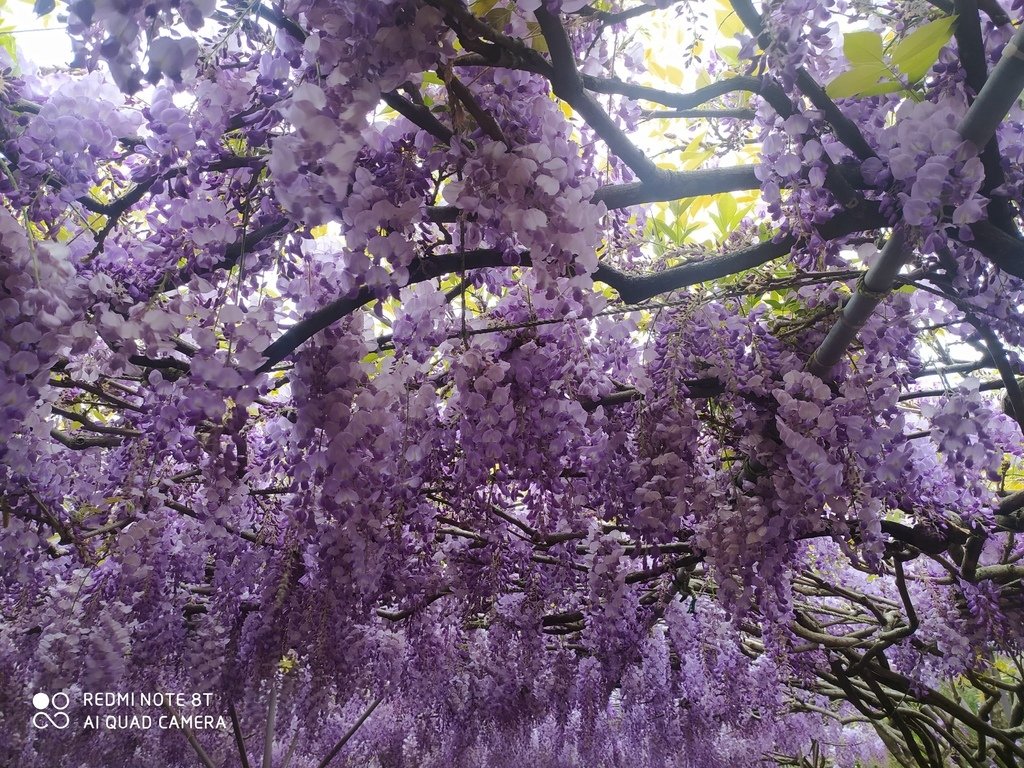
(236, 727)
(268, 731)
(845, 129)
(611, 18)
(675, 185)
(418, 115)
(977, 127)
(81, 443)
(281, 21)
(631, 288)
(235, 251)
(190, 735)
(615, 86)
(92, 426)
(1002, 363)
(1002, 249)
(971, 49)
(349, 733)
(568, 86)
(702, 114)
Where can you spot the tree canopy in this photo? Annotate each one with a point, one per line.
(515, 382)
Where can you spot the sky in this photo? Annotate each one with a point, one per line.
(41, 41)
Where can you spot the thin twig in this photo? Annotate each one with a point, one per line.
(349, 733)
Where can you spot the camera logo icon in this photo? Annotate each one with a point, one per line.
(50, 711)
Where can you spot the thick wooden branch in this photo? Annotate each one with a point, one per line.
(971, 49)
(995, 12)
(702, 114)
(116, 208)
(405, 613)
(249, 536)
(419, 115)
(977, 127)
(631, 288)
(81, 443)
(669, 185)
(925, 539)
(677, 185)
(615, 86)
(1002, 249)
(919, 394)
(93, 426)
(845, 129)
(1002, 362)
(281, 21)
(695, 388)
(458, 90)
(232, 254)
(567, 85)
(674, 185)
(611, 18)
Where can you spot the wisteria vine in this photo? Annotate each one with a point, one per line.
(443, 383)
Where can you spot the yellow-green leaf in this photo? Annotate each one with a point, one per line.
(857, 80)
(915, 54)
(8, 44)
(863, 47)
(890, 85)
(729, 22)
(536, 39)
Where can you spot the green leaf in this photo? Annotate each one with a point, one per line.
(915, 54)
(498, 17)
(536, 39)
(863, 47)
(890, 85)
(727, 211)
(730, 54)
(857, 80)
